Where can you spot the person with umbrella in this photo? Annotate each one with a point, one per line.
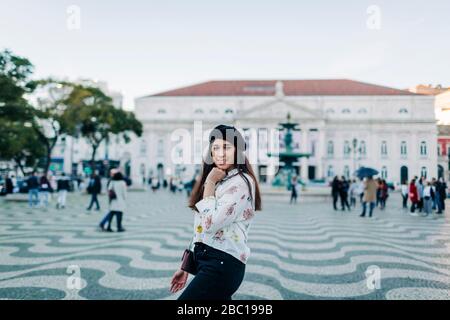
(370, 189)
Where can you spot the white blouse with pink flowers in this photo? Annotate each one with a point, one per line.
(223, 220)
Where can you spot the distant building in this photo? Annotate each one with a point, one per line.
(344, 124)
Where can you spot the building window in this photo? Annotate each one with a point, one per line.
(347, 148)
(347, 172)
(161, 111)
(423, 172)
(439, 150)
(330, 171)
(423, 148)
(383, 148)
(403, 110)
(362, 147)
(362, 110)
(403, 148)
(143, 148)
(160, 150)
(329, 110)
(384, 173)
(230, 111)
(346, 110)
(330, 148)
(198, 111)
(313, 148)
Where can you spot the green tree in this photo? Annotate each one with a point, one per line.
(20, 143)
(17, 139)
(91, 113)
(49, 100)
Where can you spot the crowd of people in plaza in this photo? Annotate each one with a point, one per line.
(423, 195)
(40, 188)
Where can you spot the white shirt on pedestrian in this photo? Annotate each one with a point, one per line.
(427, 191)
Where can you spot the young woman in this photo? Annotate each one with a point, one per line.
(117, 190)
(224, 201)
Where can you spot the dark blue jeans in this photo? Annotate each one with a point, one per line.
(94, 200)
(218, 277)
(372, 205)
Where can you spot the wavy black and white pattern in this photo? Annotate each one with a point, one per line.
(305, 251)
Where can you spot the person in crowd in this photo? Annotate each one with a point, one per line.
(9, 186)
(404, 192)
(33, 190)
(294, 189)
(343, 194)
(44, 190)
(353, 193)
(428, 196)
(441, 195)
(383, 193)
(335, 185)
(117, 194)
(413, 195)
(378, 181)
(94, 189)
(420, 186)
(62, 186)
(370, 196)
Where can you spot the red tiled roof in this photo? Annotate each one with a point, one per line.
(327, 87)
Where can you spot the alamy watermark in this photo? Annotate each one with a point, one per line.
(73, 19)
(373, 277)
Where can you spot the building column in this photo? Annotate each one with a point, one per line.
(320, 153)
(304, 149)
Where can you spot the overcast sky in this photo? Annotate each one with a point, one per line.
(143, 47)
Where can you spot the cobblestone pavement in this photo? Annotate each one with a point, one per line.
(303, 251)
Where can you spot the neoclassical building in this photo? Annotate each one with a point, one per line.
(344, 124)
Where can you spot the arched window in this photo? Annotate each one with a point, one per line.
(346, 110)
(383, 148)
(162, 111)
(384, 172)
(229, 111)
(403, 148)
(329, 110)
(330, 171)
(362, 110)
(198, 111)
(423, 172)
(403, 110)
(423, 148)
(362, 148)
(214, 111)
(330, 148)
(347, 172)
(346, 148)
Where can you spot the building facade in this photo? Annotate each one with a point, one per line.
(344, 124)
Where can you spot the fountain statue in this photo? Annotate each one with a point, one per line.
(287, 157)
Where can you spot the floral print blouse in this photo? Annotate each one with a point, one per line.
(223, 220)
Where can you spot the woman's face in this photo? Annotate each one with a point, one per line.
(222, 154)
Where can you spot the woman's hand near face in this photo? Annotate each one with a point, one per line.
(216, 175)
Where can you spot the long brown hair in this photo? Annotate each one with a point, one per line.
(232, 135)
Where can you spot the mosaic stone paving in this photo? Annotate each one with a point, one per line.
(303, 251)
